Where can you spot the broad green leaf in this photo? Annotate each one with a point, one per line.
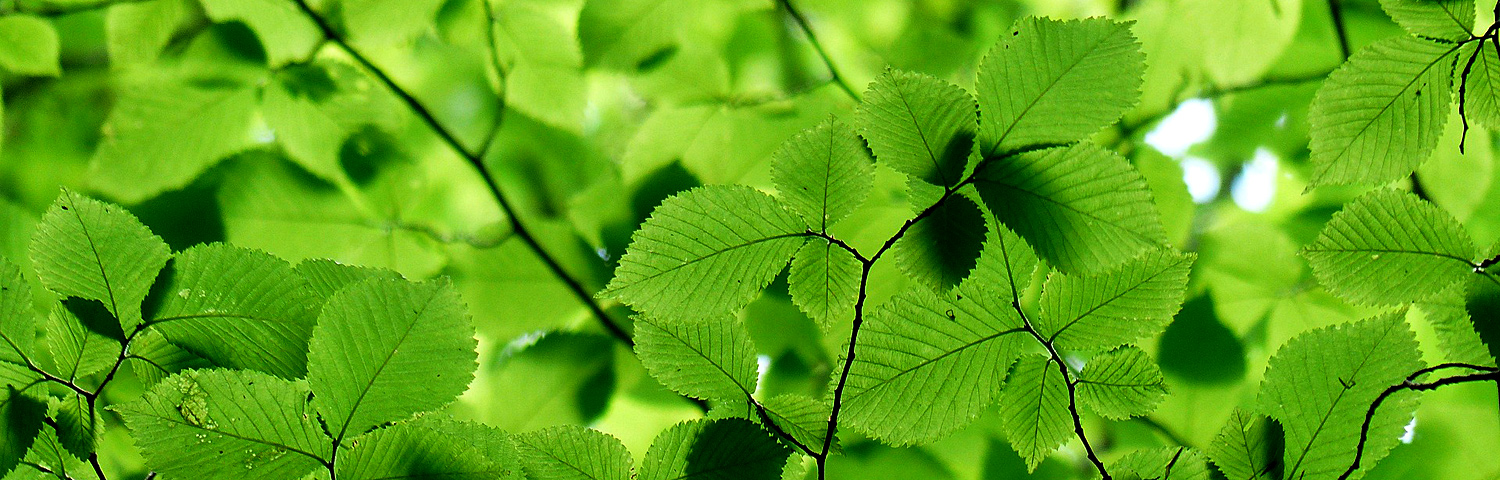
(28, 46)
(310, 137)
(286, 34)
(802, 417)
(572, 452)
(543, 62)
(48, 452)
(1321, 383)
(1241, 40)
(925, 366)
(76, 340)
(20, 422)
(239, 308)
(141, 153)
(1083, 208)
(380, 22)
(1448, 313)
(153, 358)
(941, 249)
(17, 322)
(90, 249)
(228, 424)
(1389, 247)
(706, 252)
(621, 34)
(1240, 450)
(1482, 86)
(1003, 271)
(714, 449)
(919, 125)
(1379, 115)
(1162, 463)
(407, 451)
(823, 173)
(385, 349)
(1122, 383)
(1133, 301)
(326, 277)
(1034, 409)
(79, 426)
(824, 282)
(1443, 19)
(1053, 81)
(711, 358)
(563, 378)
(136, 32)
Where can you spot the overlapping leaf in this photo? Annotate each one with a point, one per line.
(1445, 19)
(941, 249)
(919, 125)
(1034, 409)
(1482, 86)
(823, 173)
(413, 451)
(1241, 450)
(714, 449)
(711, 359)
(1163, 463)
(571, 452)
(1389, 247)
(1135, 300)
(824, 281)
(286, 34)
(17, 322)
(28, 46)
(1122, 383)
(86, 248)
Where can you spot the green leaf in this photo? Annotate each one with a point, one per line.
(1161, 463)
(706, 252)
(48, 452)
(79, 426)
(1122, 383)
(1444, 19)
(1482, 86)
(286, 34)
(239, 308)
(926, 366)
(327, 277)
(919, 125)
(824, 282)
(78, 346)
(385, 349)
(563, 378)
(714, 449)
(572, 452)
(1083, 208)
(228, 424)
(90, 249)
(153, 358)
(1320, 384)
(941, 249)
(1240, 40)
(20, 422)
(28, 46)
(1003, 271)
(823, 173)
(407, 451)
(1034, 409)
(380, 22)
(620, 34)
(1053, 82)
(1133, 301)
(1389, 247)
(135, 33)
(17, 322)
(1448, 313)
(802, 417)
(711, 359)
(1379, 115)
(1240, 449)
(543, 62)
(141, 153)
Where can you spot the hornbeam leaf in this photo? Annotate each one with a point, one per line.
(823, 173)
(919, 125)
(1052, 82)
(1240, 449)
(90, 249)
(412, 451)
(941, 249)
(385, 349)
(285, 33)
(714, 449)
(239, 308)
(711, 359)
(20, 422)
(1445, 19)
(1380, 114)
(1122, 383)
(1482, 86)
(378, 22)
(1133, 301)
(1083, 208)
(706, 253)
(17, 322)
(228, 424)
(824, 282)
(1162, 463)
(136, 32)
(75, 339)
(1034, 409)
(1321, 383)
(1389, 247)
(925, 366)
(802, 417)
(571, 452)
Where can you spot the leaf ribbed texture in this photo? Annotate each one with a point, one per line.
(1083, 208)
(1034, 409)
(1379, 115)
(426, 449)
(824, 282)
(1122, 383)
(86, 248)
(77, 350)
(711, 359)
(1445, 19)
(802, 417)
(572, 452)
(1131, 302)
(17, 322)
(1320, 384)
(724, 449)
(919, 125)
(941, 249)
(1482, 90)
(1161, 463)
(823, 173)
(1389, 247)
(1240, 449)
(706, 252)
(1053, 81)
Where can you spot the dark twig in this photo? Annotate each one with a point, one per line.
(765, 418)
(94, 461)
(1490, 375)
(1336, 11)
(476, 161)
(812, 38)
(1062, 366)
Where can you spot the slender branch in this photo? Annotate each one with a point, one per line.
(1490, 262)
(812, 38)
(94, 461)
(765, 418)
(1336, 11)
(1062, 366)
(475, 160)
(1490, 375)
(1212, 92)
(500, 74)
(1463, 85)
(49, 472)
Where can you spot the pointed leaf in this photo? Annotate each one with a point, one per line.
(802, 417)
(17, 322)
(78, 347)
(941, 248)
(823, 173)
(1052, 81)
(327, 277)
(153, 358)
(1445, 19)
(285, 33)
(1448, 312)
(136, 32)
(919, 125)
(79, 426)
(728, 448)
(1162, 463)
(90, 249)
(710, 359)
(1240, 449)
(410, 451)
(706, 252)
(385, 349)
(824, 282)
(1389, 247)
(228, 424)
(1380, 114)
(571, 452)
(1083, 208)
(1133, 301)
(1034, 409)
(1122, 383)
(20, 422)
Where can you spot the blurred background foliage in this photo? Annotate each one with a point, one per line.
(238, 121)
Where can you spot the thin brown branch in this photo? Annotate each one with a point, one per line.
(1490, 375)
